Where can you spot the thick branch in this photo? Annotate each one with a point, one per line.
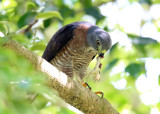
(72, 92)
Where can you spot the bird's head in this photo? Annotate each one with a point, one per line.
(99, 40)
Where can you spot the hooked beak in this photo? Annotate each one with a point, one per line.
(101, 55)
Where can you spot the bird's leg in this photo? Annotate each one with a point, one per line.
(99, 92)
(96, 74)
(96, 71)
(86, 85)
(97, 77)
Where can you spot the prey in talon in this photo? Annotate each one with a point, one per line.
(95, 73)
(74, 46)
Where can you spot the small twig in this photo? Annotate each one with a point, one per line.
(34, 97)
(29, 27)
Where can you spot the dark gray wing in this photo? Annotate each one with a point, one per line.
(59, 40)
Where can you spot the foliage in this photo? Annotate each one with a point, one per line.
(121, 65)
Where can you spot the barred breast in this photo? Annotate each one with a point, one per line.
(63, 61)
(73, 60)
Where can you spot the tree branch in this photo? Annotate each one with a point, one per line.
(72, 92)
(29, 27)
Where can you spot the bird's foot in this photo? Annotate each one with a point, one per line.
(86, 85)
(99, 92)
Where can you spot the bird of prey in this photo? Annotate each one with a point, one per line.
(74, 46)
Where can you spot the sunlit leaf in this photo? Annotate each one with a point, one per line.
(99, 2)
(38, 46)
(49, 14)
(158, 106)
(40, 102)
(3, 28)
(21, 38)
(9, 27)
(31, 6)
(156, 1)
(9, 4)
(153, 50)
(157, 24)
(159, 80)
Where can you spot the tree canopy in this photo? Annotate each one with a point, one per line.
(130, 69)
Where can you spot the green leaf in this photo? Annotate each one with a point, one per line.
(38, 46)
(159, 80)
(3, 28)
(49, 14)
(158, 106)
(114, 47)
(155, 2)
(139, 40)
(86, 3)
(94, 11)
(27, 18)
(18, 77)
(134, 69)
(31, 6)
(20, 38)
(8, 27)
(143, 41)
(153, 50)
(148, 2)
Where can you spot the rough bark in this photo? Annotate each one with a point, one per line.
(72, 92)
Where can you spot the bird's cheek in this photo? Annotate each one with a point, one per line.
(103, 51)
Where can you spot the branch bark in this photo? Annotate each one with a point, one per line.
(72, 92)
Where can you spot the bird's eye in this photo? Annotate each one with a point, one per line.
(98, 42)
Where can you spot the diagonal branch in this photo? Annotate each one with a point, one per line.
(29, 27)
(72, 92)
